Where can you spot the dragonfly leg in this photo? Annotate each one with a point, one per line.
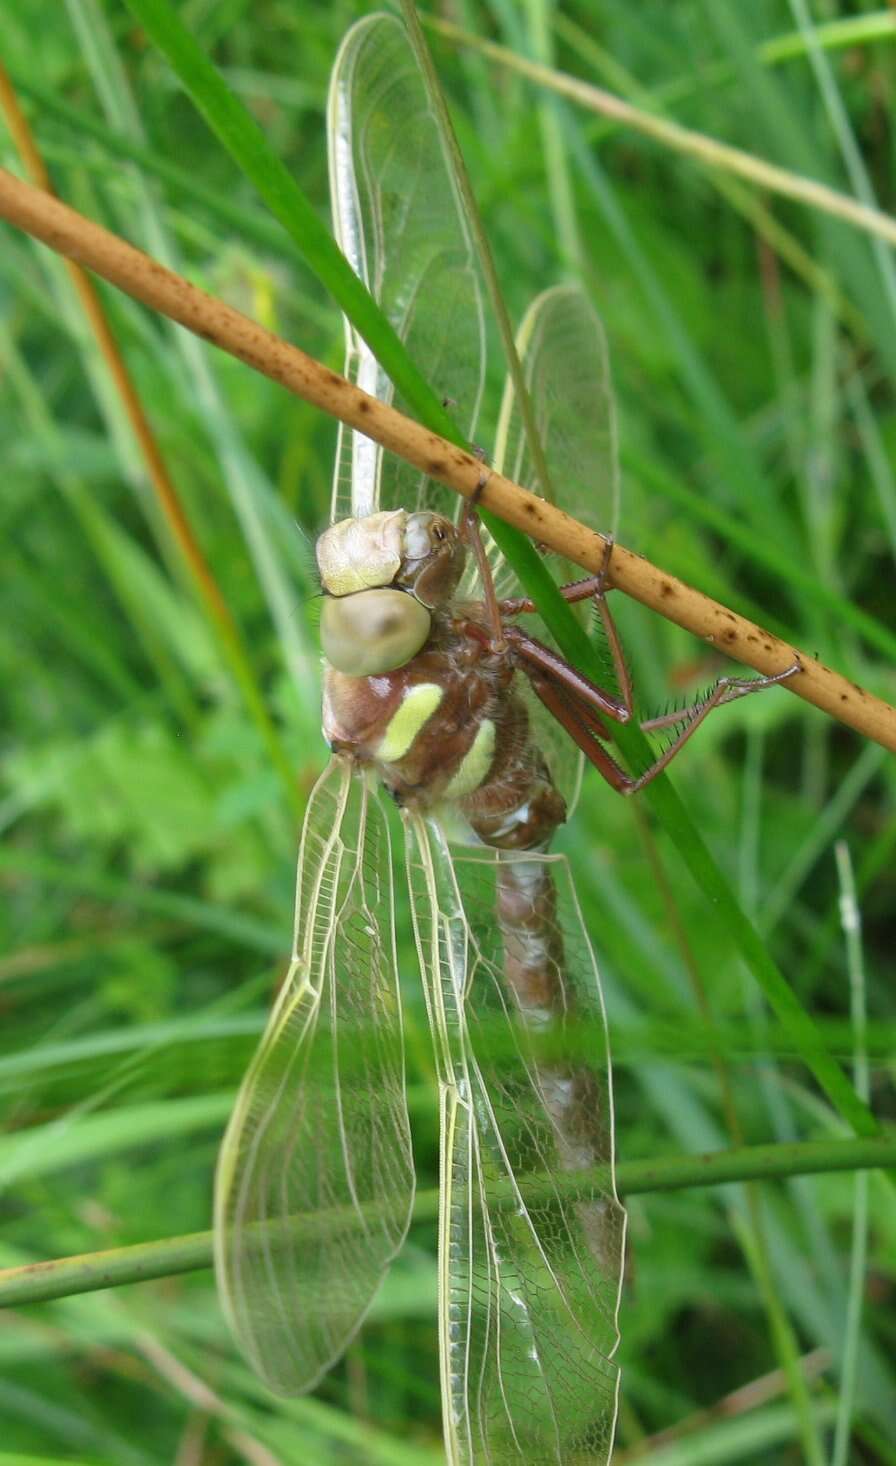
(473, 536)
(620, 667)
(594, 586)
(537, 660)
(580, 705)
(575, 591)
(574, 702)
(727, 689)
(591, 587)
(583, 726)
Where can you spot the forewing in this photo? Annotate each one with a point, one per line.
(315, 1177)
(532, 1231)
(399, 222)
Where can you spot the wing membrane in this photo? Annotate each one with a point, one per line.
(315, 1178)
(398, 220)
(566, 370)
(532, 1234)
(562, 348)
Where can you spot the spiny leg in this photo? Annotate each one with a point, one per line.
(733, 688)
(584, 727)
(623, 676)
(727, 689)
(577, 590)
(583, 724)
(591, 587)
(471, 531)
(580, 707)
(540, 662)
(576, 702)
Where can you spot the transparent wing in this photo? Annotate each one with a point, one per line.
(563, 352)
(532, 1231)
(566, 369)
(398, 220)
(315, 1177)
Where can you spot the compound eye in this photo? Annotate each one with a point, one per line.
(373, 631)
(423, 533)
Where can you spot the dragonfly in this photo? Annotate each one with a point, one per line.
(441, 687)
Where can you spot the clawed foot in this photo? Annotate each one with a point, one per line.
(601, 577)
(739, 686)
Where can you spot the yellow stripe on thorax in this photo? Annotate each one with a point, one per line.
(475, 763)
(416, 708)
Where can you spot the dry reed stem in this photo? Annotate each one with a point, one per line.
(142, 277)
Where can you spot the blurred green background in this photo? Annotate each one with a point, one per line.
(148, 840)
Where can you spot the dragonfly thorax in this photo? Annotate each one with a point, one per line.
(382, 576)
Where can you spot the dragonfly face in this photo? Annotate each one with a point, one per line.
(383, 575)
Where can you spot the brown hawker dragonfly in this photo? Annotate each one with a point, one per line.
(434, 691)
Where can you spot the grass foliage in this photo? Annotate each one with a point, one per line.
(148, 806)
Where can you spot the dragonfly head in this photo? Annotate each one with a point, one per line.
(382, 576)
(433, 558)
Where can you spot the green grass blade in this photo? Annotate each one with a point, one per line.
(846, 1404)
(66, 1276)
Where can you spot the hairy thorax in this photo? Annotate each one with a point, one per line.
(450, 727)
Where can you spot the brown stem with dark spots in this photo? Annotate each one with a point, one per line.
(68, 232)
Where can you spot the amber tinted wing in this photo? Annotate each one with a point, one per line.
(398, 220)
(315, 1178)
